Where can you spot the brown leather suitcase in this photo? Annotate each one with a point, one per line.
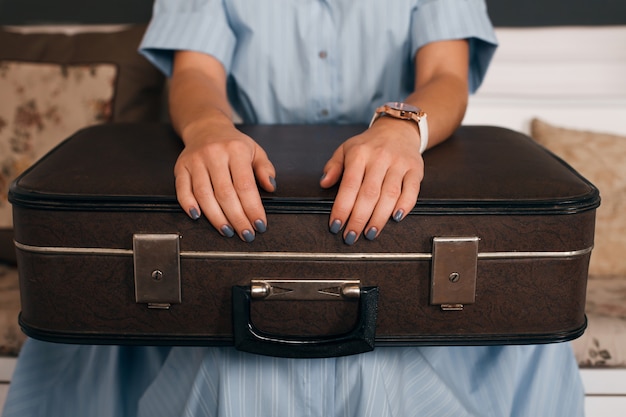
(496, 250)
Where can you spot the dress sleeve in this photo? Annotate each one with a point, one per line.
(437, 20)
(188, 25)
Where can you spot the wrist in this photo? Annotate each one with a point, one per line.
(201, 126)
(398, 128)
(403, 112)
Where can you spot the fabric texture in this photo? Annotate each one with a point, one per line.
(48, 89)
(599, 157)
(106, 381)
(279, 52)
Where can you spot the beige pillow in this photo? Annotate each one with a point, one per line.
(601, 158)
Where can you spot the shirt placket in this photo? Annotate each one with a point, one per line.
(324, 68)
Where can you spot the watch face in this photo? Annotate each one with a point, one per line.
(397, 105)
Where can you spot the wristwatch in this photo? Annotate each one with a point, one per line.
(405, 111)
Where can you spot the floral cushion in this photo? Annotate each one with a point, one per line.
(75, 63)
(43, 104)
(604, 341)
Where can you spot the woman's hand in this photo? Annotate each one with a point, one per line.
(217, 173)
(380, 171)
(382, 167)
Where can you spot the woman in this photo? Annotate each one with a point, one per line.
(306, 61)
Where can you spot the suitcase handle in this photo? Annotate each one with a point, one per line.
(248, 338)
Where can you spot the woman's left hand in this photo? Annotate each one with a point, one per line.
(380, 171)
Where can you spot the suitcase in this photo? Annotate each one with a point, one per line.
(496, 250)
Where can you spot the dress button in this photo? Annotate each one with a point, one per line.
(324, 112)
(323, 54)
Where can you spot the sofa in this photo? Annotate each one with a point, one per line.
(53, 83)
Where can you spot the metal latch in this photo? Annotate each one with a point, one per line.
(295, 289)
(157, 269)
(454, 269)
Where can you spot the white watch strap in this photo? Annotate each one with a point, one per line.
(423, 128)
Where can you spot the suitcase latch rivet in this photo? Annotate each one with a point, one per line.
(157, 275)
(261, 290)
(351, 291)
(454, 277)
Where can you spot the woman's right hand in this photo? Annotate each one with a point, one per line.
(217, 175)
(217, 172)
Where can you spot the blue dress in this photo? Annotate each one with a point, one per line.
(297, 61)
(112, 381)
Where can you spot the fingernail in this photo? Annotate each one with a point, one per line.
(335, 227)
(273, 182)
(227, 231)
(323, 176)
(350, 238)
(260, 226)
(371, 233)
(248, 236)
(194, 213)
(398, 215)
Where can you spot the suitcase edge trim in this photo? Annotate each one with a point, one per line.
(302, 256)
(380, 341)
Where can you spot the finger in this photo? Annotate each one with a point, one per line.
(333, 169)
(228, 198)
(245, 186)
(347, 194)
(203, 188)
(391, 191)
(367, 200)
(205, 202)
(264, 170)
(184, 193)
(410, 190)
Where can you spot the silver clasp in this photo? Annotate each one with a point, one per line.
(454, 269)
(157, 269)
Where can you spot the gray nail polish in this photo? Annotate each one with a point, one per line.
(350, 238)
(371, 233)
(248, 236)
(335, 227)
(273, 182)
(323, 176)
(398, 215)
(194, 213)
(227, 231)
(260, 226)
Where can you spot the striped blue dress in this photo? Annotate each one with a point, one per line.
(304, 61)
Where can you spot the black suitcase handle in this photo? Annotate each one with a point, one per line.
(248, 338)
